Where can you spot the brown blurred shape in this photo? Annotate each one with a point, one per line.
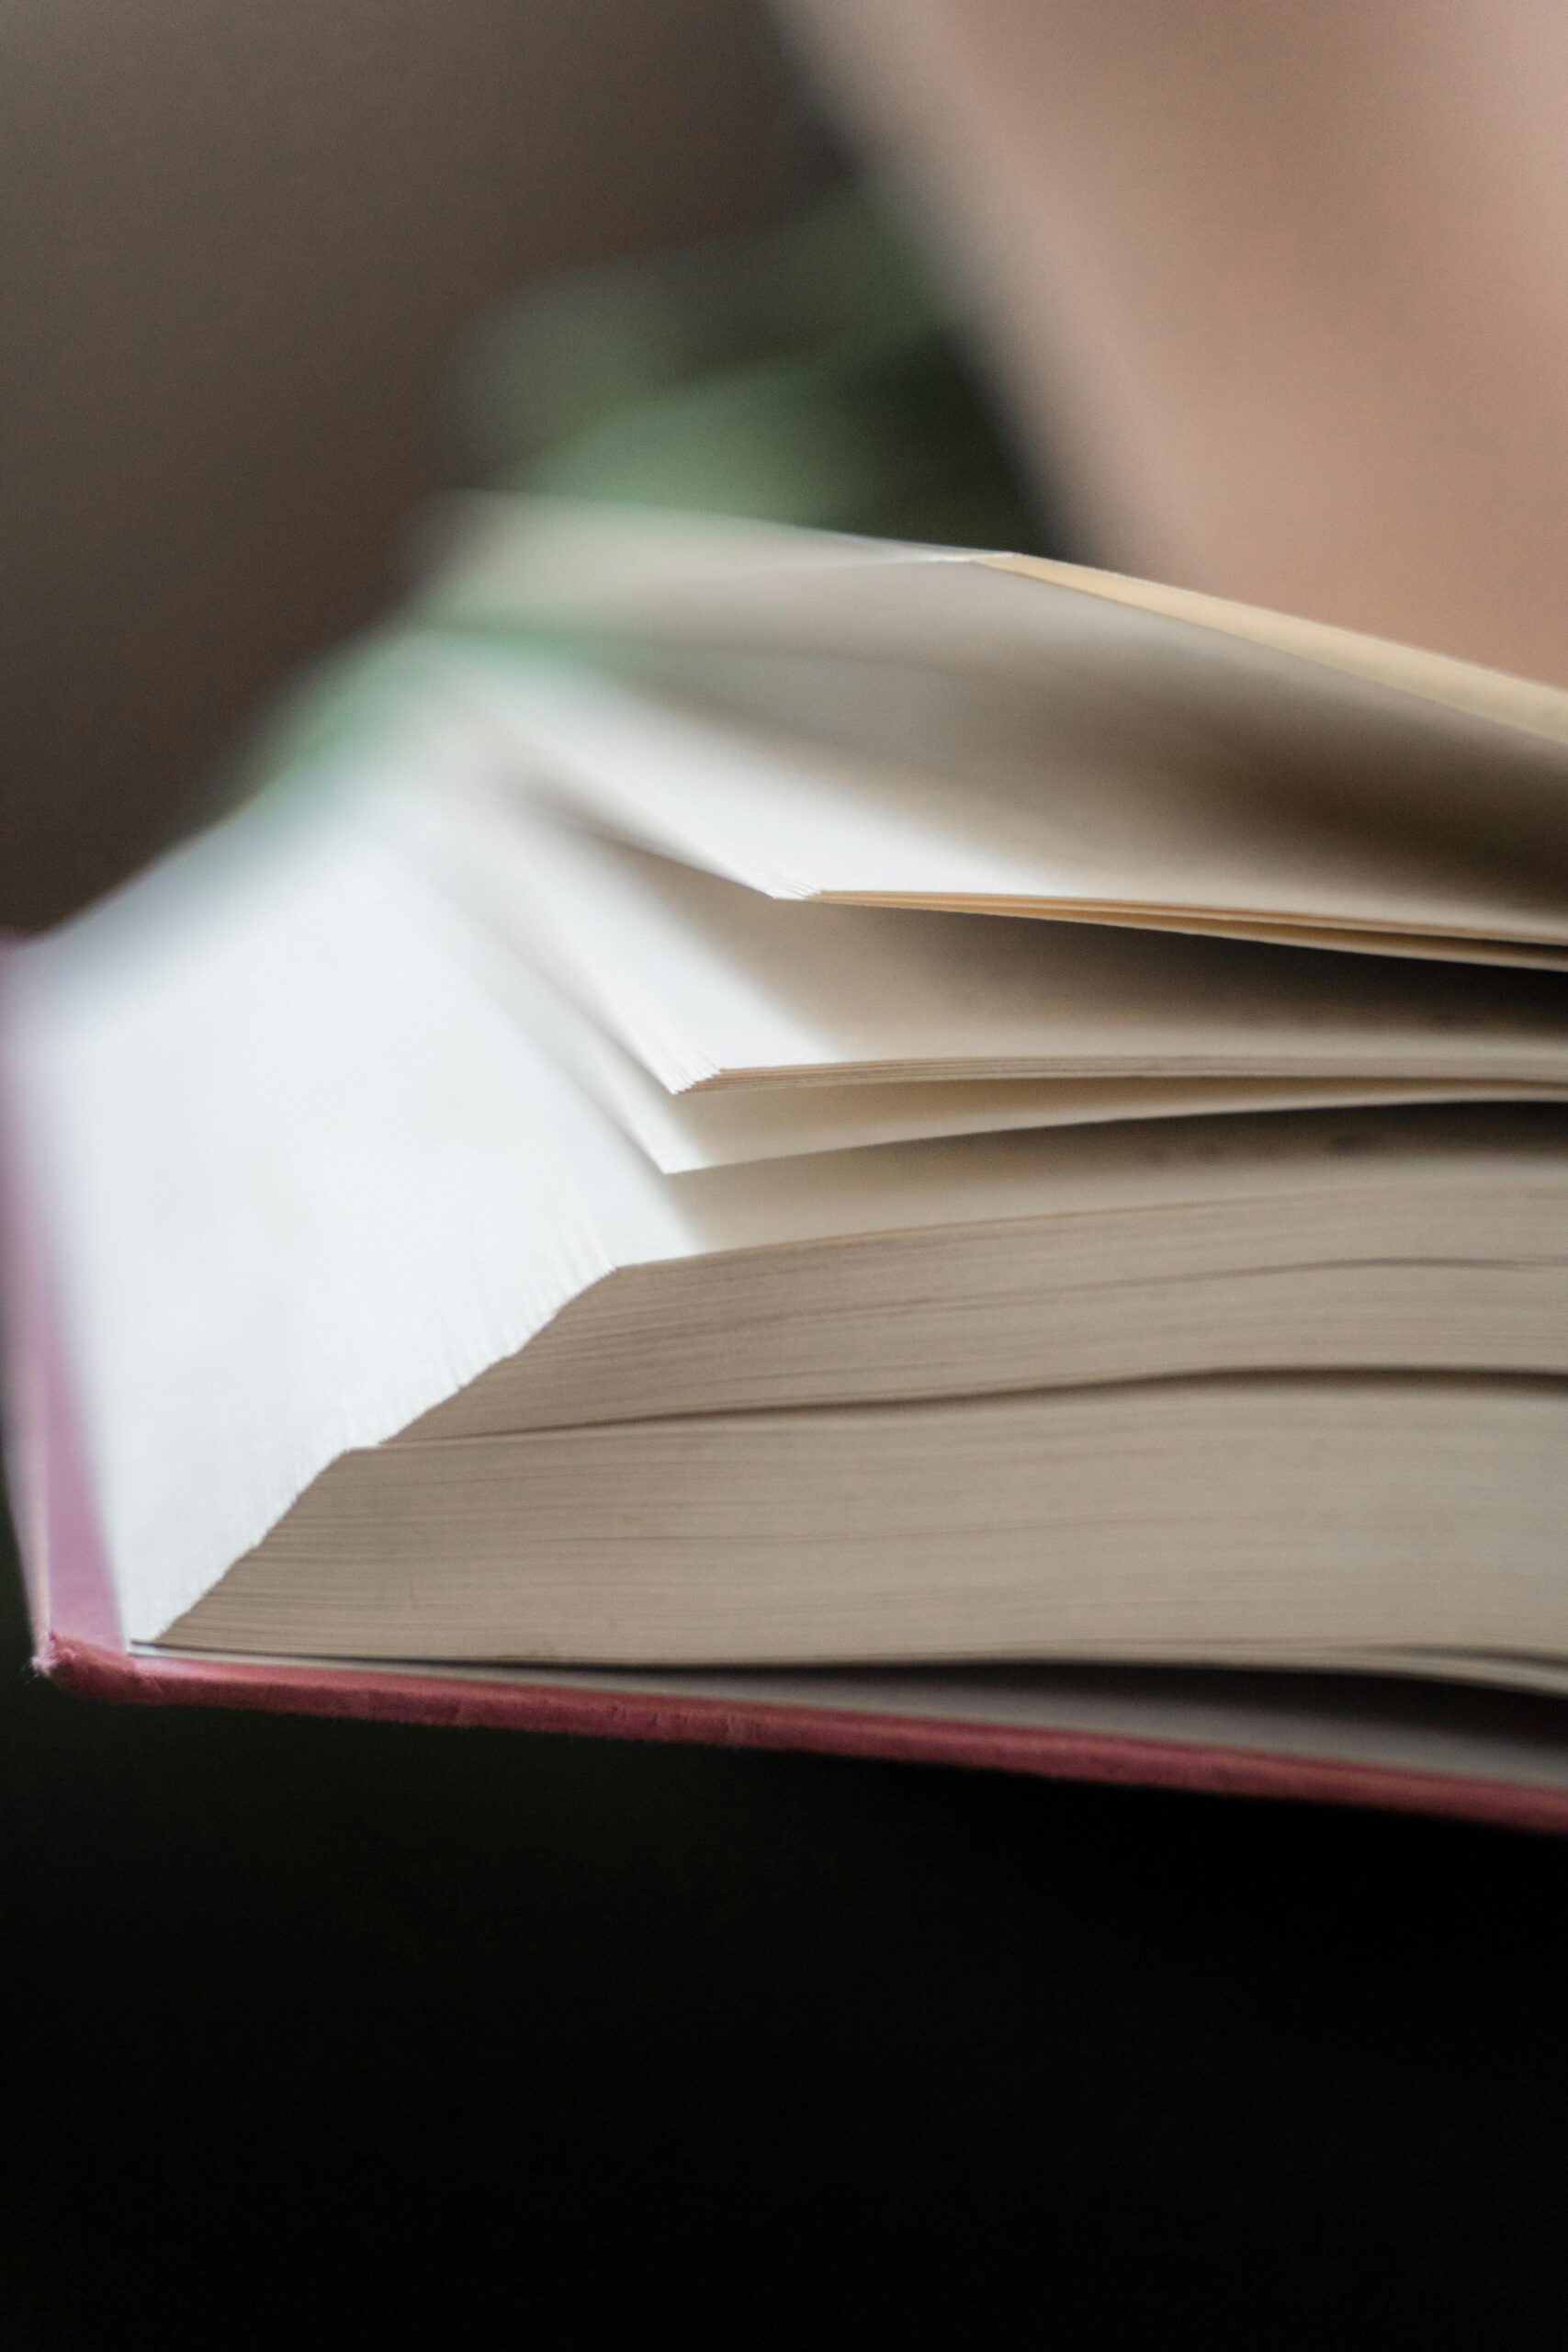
(243, 246)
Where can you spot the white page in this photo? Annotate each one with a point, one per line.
(502, 558)
(706, 982)
(798, 817)
(1181, 767)
(305, 1177)
(724, 1127)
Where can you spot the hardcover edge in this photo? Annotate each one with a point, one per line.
(91, 1670)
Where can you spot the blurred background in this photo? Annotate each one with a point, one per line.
(277, 277)
(243, 246)
(326, 2033)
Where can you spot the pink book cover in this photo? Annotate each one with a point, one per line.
(78, 1644)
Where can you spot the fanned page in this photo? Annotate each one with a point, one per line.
(708, 983)
(719, 1127)
(843, 719)
(309, 1178)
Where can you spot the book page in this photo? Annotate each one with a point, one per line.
(638, 571)
(725, 1126)
(824, 718)
(709, 983)
(305, 1177)
(1202, 1517)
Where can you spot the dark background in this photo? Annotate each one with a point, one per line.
(326, 2033)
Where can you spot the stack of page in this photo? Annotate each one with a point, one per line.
(889, 1117)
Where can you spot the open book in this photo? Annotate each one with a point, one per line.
(797, 1138)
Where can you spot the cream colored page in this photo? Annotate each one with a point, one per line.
(704, 981)
(664, 572)
(1319, 1513)
(723, 1127)
(1419, 945)
(1147, 1164)
(1091, 826)
(1467, 687)
(853, 703)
